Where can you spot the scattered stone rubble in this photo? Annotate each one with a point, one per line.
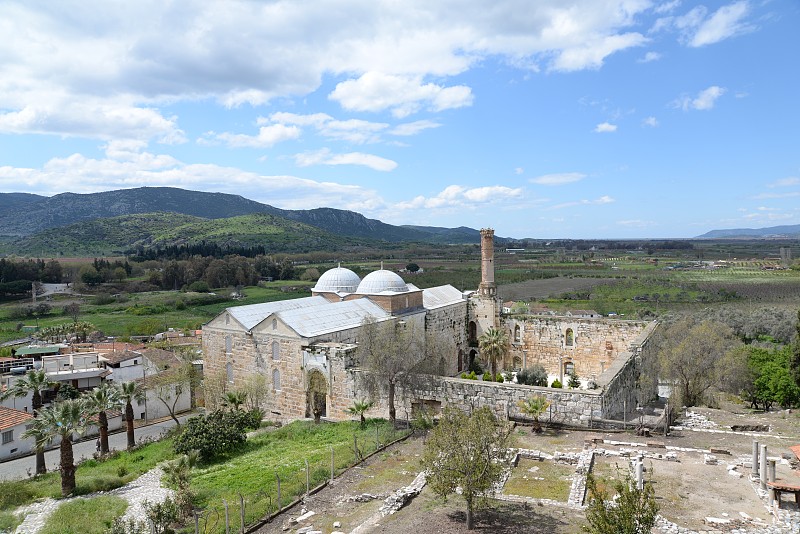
(399, 498)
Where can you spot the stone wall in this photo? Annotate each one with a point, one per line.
(595, 343)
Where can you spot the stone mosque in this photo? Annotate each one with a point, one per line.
(306, 347)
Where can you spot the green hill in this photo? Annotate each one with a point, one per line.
(115, 235)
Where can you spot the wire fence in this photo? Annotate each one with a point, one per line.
(290, 482)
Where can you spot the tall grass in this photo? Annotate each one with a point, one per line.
(85, 516)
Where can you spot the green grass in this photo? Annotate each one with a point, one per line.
(540, 480)
(252, 471)
(9, 521)
(90, 476)
(85, 516)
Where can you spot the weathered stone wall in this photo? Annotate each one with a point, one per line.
(449, 325)
(595, 344)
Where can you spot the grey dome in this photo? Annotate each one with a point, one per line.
(380, 281)
(337, 280)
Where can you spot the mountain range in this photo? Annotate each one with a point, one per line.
(86, 224)
(773, 232)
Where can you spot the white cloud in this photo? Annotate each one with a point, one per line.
(376, 91)
(790, 194)
(558, 179)
(650, 121)
(704, 100)
(605, 127)
(518, 170)
(413, 128)
(80, 174)
(267, 136)
(352, 130)
(650, 56)
(635, 223)
(667, 7)
(325, 157)
(592, 53)
(724, 23)
(605, 199)
(786, 182)
(460, 196)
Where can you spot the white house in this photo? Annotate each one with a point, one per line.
(12, 424)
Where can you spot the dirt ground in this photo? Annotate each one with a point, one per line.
(688, 491)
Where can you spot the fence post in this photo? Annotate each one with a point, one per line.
(227, 521)
(377, 437)
(241, 512)
(624, 414)
(196, 522)
(306, 477)
(355, 447)
(333, 466)
(666, 418)
(278, 478)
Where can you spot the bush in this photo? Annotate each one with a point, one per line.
(199, 287)
(556, 384)
(574, 382)
(475, 367)
(499, 378)
(102, 299)
(487, 376)
(216, 433)
(533, 376)
(469, 376)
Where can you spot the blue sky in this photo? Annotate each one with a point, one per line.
(549, 119)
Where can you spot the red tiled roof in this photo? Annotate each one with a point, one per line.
(9, 417)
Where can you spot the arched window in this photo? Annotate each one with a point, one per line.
(276, 350)
(569, 368)
(473, 334)
(227, 319)
(460, 359)
(570, 338)
(229, 371)
(276, 380)
(517, 334)
(274, 324)
(228, 344)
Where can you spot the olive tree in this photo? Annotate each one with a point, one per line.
(467, 451)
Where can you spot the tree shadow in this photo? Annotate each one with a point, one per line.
(510, 518)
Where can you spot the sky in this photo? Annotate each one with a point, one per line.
(545, 119)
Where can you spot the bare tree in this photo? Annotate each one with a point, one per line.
(392, 353)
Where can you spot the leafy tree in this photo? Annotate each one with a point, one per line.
(493, 344)
(467, 451)
(533, 407)
(633, 511)
(169, 385)
(689, 354)
(35, 382)
(574, 382)
(212, 435)
(98, 402)
(795, 363)
(535, 375)
(359, 408)
(129, 392)
(392, 355)
(412, 267)
(62, 419)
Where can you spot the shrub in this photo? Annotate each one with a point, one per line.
(574, 382)
(499, 378)
(487, 376)
(199, 287)
(475, 367)
(533, 376)
(214, 434)
(102, 299)
(556, 384)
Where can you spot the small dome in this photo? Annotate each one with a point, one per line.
(337, 280)
(380, 281)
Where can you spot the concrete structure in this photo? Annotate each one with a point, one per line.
(307, 347)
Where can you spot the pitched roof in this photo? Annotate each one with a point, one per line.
(323, 317)
(436, 297)
(253, 314)
(161, 358)
(9, 417)
(120, 356)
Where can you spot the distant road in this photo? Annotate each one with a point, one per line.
(20, 468)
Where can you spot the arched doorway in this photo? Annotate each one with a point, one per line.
(472, 334)
(460, 360)
(316, 395)
(472, 354)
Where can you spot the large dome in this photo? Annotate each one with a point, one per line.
(380, 281)
(337, 280)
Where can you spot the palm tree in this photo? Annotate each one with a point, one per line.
(534, 407)
(62, 419)
(35, 383)
(234, 398)
(358, 408)
(129, 392)
(38, 431)
(99, 401)
(494, 344)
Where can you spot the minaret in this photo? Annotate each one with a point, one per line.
(487, 288)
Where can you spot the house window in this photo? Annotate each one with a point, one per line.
(228, 344)
(517, 334)
(276, 380)
(569, 368)
(229, 371)
(135, 362)
(570, 337)
(276, 350)
(8, 436)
